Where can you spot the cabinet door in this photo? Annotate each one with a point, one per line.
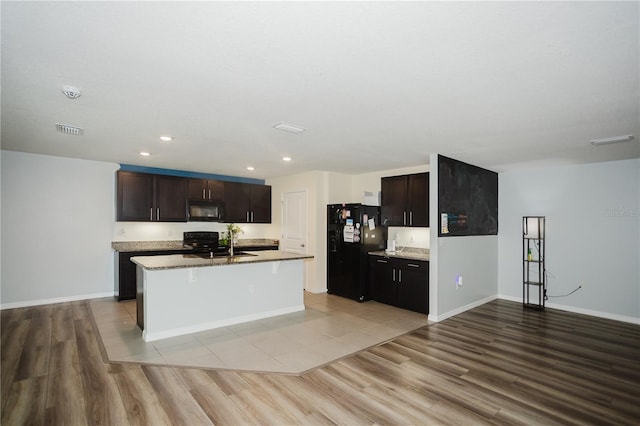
(126, 276)
(198, 189)
(394, 199)
(381, 273)
(237, 202)
(260, 204)
(135, 197)
(413, 286)
(215, 190)
(171, 199)
(418, 200)
(203, 189)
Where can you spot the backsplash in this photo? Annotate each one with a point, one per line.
(410, 237)
(167, 231)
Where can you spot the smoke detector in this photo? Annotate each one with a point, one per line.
(69, 130)
(71, 92)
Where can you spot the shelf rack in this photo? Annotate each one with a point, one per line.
(534, 284)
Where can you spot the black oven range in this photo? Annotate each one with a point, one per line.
(204, 243)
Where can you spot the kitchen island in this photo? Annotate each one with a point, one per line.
(186, 293)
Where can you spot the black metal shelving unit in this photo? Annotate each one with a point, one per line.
(534, 285)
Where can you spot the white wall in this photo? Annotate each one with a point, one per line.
(57, 225)
(475, 258)
(592, 233)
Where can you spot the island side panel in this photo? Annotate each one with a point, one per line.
(140, 296)
(187, 300)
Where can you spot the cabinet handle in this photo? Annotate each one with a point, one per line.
(151, 213)
(203, 195)
(411, 218)
(247, 217)
(381, 261)
(251, 216)
(399, 275)
(209, 194)
(413, 265)
(157, 213)
(394, 274)
(404, 218)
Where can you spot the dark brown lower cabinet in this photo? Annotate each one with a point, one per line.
(400, 282)
(126, 272)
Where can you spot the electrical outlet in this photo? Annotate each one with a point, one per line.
(458, 281)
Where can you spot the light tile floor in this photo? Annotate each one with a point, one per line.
(330, 328)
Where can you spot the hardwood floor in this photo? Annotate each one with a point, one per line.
(495, 364)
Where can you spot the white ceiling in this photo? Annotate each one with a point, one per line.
(378, 85)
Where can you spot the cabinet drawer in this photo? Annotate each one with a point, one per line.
(415, 265)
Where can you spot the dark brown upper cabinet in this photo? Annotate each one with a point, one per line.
(144, 197)
(247, 203)
(405, 200)
(206, 190)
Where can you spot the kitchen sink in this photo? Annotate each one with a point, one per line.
(220, 255)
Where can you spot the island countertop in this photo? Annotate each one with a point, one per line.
(177, 261)
(133, 246)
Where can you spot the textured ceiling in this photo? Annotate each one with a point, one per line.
(377, 85)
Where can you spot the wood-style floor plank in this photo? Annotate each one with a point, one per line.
(180, 406)
(141, 403)
(103, 402)
(65, 392)
(494, 365)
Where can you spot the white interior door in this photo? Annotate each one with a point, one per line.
(294, 222)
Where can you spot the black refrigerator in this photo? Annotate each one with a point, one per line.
(353, 230)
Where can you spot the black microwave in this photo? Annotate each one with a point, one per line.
(211, 211)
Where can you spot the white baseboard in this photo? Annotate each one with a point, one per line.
(316, 290)
(577, 310)
(441, 317)
(28, 303)
(179, 331)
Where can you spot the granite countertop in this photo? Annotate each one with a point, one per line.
(176, 261)
(409, 253)
(133, 246)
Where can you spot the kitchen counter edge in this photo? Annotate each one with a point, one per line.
(180, 261)
(402, 255)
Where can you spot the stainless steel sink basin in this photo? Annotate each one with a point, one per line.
(220, 256)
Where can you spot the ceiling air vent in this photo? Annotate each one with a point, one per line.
(69, 130)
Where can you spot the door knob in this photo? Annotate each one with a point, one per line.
(302, 245)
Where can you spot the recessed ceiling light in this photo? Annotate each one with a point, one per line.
(289, 128)
(286, 158)
(250, 168)
(614, 139)
(145, 153)
(166, 138)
